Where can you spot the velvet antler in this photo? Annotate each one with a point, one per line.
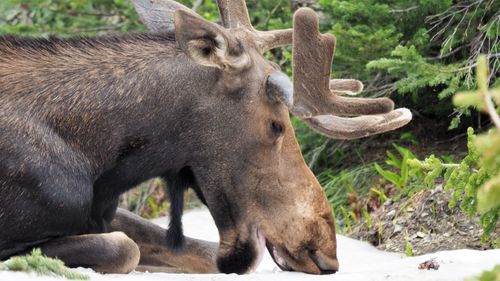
(316, 98)
(158, 15)
(234, 15)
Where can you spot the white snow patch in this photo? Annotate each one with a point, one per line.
(358, 261)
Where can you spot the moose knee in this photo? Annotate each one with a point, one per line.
(122, 253)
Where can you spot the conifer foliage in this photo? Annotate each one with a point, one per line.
(475, 181)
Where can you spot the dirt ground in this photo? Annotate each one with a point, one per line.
(425, 222)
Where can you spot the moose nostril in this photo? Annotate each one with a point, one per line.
(327, 264)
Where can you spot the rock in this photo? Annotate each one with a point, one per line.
(424, 214)
(391, 214)
(397, 228)
(428, 265)
(421, 234)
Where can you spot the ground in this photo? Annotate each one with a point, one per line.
(423, 221)
(358, 261)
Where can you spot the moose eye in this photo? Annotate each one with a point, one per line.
(206, 51)
(276, 128)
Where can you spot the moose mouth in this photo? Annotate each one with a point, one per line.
(281, 256)
(278, 256)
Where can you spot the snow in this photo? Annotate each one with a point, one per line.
(358, 261)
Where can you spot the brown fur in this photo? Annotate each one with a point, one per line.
(196, 257)
(116, 253)
(98, 116)
(84, 120)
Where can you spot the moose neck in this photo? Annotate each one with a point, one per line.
(106, 96)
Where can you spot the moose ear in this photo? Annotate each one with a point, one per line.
(208, 44)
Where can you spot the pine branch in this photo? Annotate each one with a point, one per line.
(197, 4)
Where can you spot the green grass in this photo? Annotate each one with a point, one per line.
(338, 185)
(488, 275)
(408, 249)
(41, 265)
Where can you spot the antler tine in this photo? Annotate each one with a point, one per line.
(346, 86)
(315, 95)
(267, 40)
(158, 15)
(234, 14)
(313, 56)
(361, 126)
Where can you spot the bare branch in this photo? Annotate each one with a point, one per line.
(266, 22)
(449, 53)
(490, 108)
(471, 66)
(395, 11)
(197, 4)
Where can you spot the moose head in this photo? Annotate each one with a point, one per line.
(249, 170)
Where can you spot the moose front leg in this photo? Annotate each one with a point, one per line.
(105, 253)
(196, 256)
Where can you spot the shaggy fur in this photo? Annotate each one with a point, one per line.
(84, 120)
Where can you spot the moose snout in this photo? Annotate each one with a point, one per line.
(327, 264)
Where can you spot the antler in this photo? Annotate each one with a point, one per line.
(158, 15)
(315, 95)
(234, 15)
(316, 98)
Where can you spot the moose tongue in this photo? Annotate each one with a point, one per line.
(261, 247)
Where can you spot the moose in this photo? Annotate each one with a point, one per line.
(83, 120)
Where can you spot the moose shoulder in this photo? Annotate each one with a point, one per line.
(83, 120)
